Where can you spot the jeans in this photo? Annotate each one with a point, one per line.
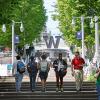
(98, 91)
(33, 81)
(18, 79)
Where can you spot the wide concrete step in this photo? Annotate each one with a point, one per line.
(7, 92)
(50, 95)
(48, 84)
(51, 86)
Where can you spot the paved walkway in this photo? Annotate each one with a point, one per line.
(51, 77)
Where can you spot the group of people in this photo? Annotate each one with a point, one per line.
(43, 67)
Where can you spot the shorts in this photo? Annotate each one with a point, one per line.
(43, 75)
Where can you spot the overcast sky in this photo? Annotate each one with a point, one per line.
(51, 24)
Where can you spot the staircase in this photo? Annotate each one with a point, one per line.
(7, 92)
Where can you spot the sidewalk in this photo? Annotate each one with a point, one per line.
(51, 77)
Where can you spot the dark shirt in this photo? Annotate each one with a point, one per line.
(33, 66)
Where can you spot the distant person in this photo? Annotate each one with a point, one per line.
(43, 71)
(97, 75)
(60, 67)
(77, 70)
(32, 70)
(18, 70)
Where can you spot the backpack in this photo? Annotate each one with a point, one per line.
(32, 66)
(44, 66)
(20, 67)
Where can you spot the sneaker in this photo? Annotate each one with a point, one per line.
(80, 89)
(18, 91)
(57, 89)
(43, 89)
(61, 89)
(33, 90)
(77, 90)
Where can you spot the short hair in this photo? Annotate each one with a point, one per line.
(32, 58)
(77, 52)
(99, 65)
(43, 57)
(18, 57)
(60, 54)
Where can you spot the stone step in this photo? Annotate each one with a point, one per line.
(50, 95)
(7, 92)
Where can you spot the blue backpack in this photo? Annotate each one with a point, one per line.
(20, 67)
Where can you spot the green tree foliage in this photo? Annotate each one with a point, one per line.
(30, 12)
(67, 9)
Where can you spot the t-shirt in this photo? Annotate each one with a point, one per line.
(33, 66)
(43, 66)
(98, 80)
(77, 62)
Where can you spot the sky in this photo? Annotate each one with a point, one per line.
(51, 24)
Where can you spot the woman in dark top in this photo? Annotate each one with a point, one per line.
(60, 66)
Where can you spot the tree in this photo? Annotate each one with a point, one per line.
(69, 8)
(30, 12)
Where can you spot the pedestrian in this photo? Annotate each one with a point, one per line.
(77, 70)
(97, 75)
(32, 70)
(43, 71)
(18, 70)
(60, 66)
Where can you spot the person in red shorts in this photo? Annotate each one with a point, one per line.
(77, 70)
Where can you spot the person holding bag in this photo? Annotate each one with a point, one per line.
(60, 67)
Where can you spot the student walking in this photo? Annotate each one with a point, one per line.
(18, 70)
(32, 70)
(43, 71)
(97, 75)
(60, 67)
(77, 70)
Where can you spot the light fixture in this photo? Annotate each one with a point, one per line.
(91, 23)
(4, 28)
(21, 27)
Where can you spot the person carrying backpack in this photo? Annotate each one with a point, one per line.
(18, 70)
(32, 70)
(43, 71)
(60, 67)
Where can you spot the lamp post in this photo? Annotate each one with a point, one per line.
(97, 55)
(82, 26)
(13, 31)
(82, 30)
